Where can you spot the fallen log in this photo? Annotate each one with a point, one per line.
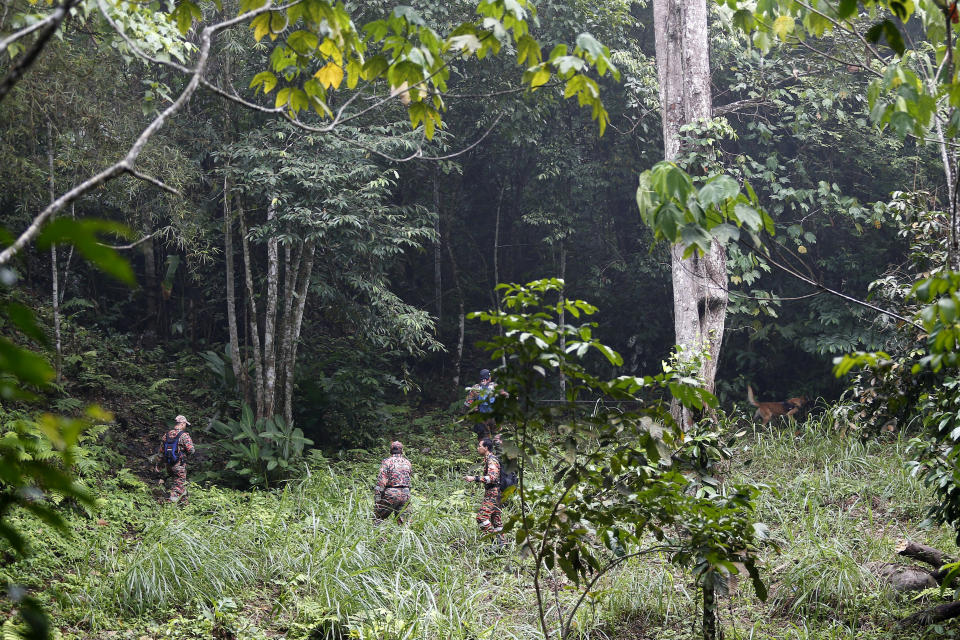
(936, 559)
(902, 577)
(916, 551)
(932, 616)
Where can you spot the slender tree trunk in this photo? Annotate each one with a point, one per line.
(270, 321)
(254, 332)
(459, 352)
(303, 289)
(710, 631)
(496, 261)
(239, 370)
(563, 314)
(54, 272)
(699, 283)
(291, 273)
(437, 249)
(150, 282)
(66, 267)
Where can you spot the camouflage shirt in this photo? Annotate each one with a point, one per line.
(394, 472)
(491, 471)
(185, 445)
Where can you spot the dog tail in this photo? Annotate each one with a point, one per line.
(750, 397)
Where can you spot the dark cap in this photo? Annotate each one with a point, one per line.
(484, 374)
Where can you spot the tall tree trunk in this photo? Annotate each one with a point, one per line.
(270, 321)
(291, 273)
(66, 267)
(699, 283)
(563, 315)
(303, 288)
(254, 332)
(437, 249)
(150, 282)
(496, 261)
(462, 317)
(239, 370)
(54, 272)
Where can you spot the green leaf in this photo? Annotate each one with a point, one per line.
(264, 79)
(24, 319)
(718, 189)
(846, 8)
(747, 216)
(784, 26)
(82, 234)
(303, 42)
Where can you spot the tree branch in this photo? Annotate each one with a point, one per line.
(132, 245)
(24, 62)
(128, 162)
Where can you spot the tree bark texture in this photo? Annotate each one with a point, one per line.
(254, 332)
(274, 353)
(699, 283)
(295, 323)
(461, 318)
(270, 321)
(239, 371)
(54, 272)
(437, 249)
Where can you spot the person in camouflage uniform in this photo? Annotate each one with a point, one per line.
(480, 398)
(392, 493)
(178, 471)
(488, 517)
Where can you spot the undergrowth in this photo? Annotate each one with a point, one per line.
(306, 561)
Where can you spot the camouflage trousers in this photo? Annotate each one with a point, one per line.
(488, 518)
(178, 485)
(393, 501)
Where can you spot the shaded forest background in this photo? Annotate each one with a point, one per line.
(401, 250)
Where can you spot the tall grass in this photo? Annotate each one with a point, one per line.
(306, 561)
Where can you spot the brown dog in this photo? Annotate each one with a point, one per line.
(767, 411)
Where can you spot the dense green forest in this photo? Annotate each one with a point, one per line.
(708, 251)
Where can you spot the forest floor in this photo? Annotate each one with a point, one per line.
(305, 560)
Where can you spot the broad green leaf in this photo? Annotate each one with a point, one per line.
(719, 189)
(264, 79)
(303, 42)
(784, 26)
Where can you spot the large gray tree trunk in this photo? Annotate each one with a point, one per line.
(699, 283)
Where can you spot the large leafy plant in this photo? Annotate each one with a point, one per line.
(618, 482)
(262, 450)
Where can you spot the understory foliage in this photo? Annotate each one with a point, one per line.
(262, 450)
(619, 484)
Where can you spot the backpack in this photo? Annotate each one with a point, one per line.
(171, 449)
(485, 398)
(508, 479)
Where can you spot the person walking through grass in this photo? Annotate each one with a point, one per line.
(488, 517)
(480, 398)
(175, 446)
(392, 493)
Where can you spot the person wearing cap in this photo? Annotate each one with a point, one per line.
(392, 493)
(480, 398)
(176, 444)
